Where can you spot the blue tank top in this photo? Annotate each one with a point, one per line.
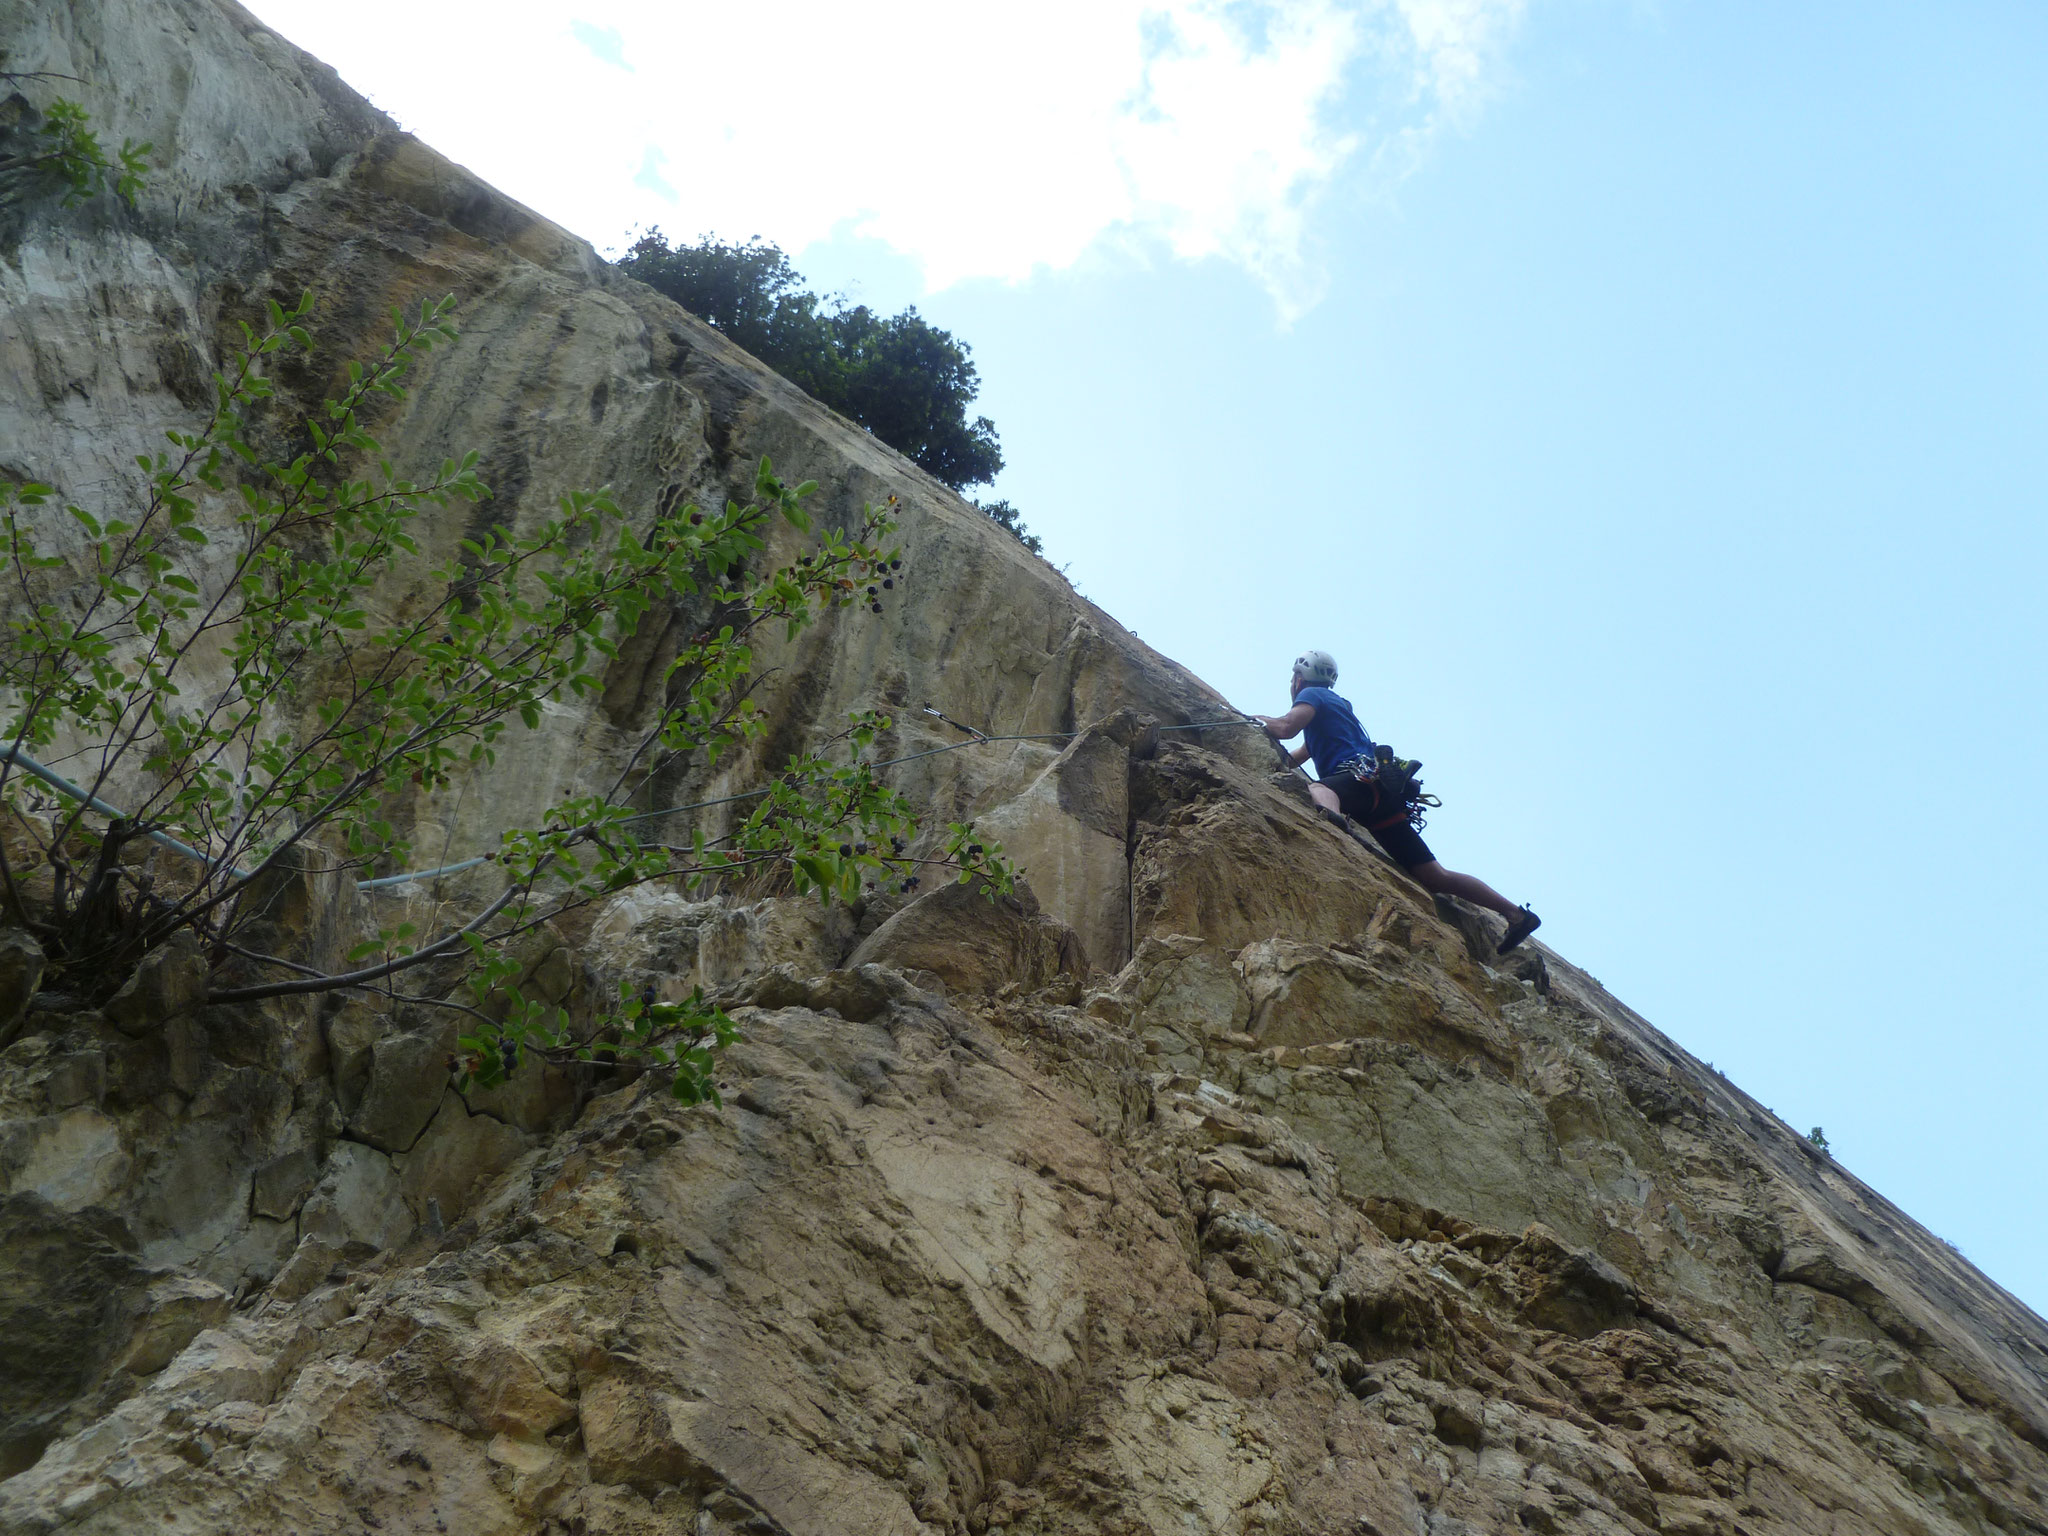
(1334, 736)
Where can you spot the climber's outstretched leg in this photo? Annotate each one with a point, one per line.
(1521, 921)
(1434, 877)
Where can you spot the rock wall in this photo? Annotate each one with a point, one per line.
(1221, 1182)
(278, 181)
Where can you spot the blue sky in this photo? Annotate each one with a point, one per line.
(1646, 402)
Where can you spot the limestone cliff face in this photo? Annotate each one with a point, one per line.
(1221, 1183)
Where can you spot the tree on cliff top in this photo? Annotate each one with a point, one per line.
(900, 376)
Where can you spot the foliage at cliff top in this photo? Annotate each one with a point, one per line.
(899, 376)
(1009, 518)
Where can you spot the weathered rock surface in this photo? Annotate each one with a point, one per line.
(1218, 1184)
(976, 942)
(170, 981)
(21, 968)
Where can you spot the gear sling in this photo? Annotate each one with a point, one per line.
(1394, 781)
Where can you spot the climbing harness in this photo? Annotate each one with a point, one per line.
(1396, 785)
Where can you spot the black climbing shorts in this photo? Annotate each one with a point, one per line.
(1361, 803)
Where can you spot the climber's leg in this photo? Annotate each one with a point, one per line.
(1407, 849)
(1434, 877)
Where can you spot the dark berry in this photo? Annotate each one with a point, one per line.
(846, 850)
(888, 581)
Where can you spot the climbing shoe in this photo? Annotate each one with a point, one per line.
(1525, 923)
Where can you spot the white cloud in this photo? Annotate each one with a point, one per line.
(1457, 46)
(603, 42)
(980, 140)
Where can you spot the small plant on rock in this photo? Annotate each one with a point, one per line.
(56, 149)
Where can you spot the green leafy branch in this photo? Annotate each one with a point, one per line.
(60, 151)
(228, 656)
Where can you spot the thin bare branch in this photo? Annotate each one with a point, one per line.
(440, 946)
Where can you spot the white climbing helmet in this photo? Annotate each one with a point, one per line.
(1316, 668)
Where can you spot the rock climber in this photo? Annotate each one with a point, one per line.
(1341, 749)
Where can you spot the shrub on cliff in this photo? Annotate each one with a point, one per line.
(1008, 518)
(226, 657)
(901, 377)
(56, 149)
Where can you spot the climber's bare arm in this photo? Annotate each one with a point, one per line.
(1286, 727)
(1299, 755)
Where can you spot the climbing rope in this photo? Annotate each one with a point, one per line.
(93, 802)
(978, 739)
